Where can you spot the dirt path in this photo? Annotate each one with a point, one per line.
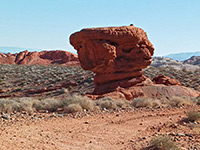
(116, 131)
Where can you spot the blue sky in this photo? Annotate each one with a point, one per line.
(172, 25)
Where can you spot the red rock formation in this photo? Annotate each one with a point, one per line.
(40, 58)
(162, 79)
(116, 54)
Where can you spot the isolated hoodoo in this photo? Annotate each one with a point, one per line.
(117, 55)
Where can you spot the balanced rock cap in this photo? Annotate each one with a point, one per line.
(113, 53)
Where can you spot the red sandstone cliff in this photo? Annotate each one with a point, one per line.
(40, 58)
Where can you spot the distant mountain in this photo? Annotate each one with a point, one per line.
(16, 49)
(168, 62)
(40, 58)
(194, 60)
(183, 56)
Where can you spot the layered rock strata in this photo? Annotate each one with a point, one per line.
(116, 54)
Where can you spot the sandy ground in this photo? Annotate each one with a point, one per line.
(107, 131)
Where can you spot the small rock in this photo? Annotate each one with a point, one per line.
(172, 134)
(60, 115)
(190, 135)
(5, 116)
(144, 138)
(53, 115)
(180, 134)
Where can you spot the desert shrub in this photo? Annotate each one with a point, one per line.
(26, 104)
(49, 104)
(121, 103)
(106, 103)
(179, 101)
(6, 105)
(74, 103)
(73, 108)
(83, 101)
(17, 90)
(162, 143)
(53, 104)
(193, 116)
(17, 104)
(141, 102)
(111, 104)
(63, 91)
(198, 100)
(145, 102)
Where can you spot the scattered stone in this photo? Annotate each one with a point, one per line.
(180, 134)
(190, 135)
(172, 134)
(60, 115)
(5, 116)
(144, 138)
(162, 79)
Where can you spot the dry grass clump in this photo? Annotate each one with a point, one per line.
(83, 101)
(162, 143)
(17, 105)
(49, 104)
(145, 102)
(75, 103)
(111, 104)
(193, 116)
(73, 108)
(198, 100)
(179, 101)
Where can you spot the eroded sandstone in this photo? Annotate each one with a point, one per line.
(40, 58)
(116, 54)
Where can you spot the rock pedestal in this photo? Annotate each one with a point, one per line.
(116, 54)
